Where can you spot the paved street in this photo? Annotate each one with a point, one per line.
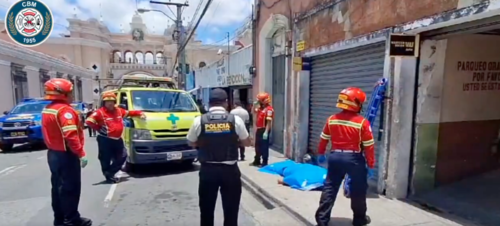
(158, 195)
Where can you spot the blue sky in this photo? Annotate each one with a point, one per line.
(222, 16)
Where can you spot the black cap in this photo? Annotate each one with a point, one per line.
(217, 96)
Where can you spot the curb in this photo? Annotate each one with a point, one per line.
(270, 201)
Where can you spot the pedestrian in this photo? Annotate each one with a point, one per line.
(89, 112)
(218, 135)
(243, 114)
(63, 136)
(200, 105)
(108, 122)
(352, 149)
(264, 114)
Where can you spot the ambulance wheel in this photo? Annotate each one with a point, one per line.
(6, 147)
(128, 167)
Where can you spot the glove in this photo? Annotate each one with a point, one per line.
(83, 161)
(371, 173)
(321, 159)
(264, 136)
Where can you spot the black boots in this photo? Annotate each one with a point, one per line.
(361, 221)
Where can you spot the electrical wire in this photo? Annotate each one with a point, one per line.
(186, 41)
(211, 18)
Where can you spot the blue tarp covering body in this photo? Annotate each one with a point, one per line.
(299, 176)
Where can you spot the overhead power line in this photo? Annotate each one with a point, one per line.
(186, 41)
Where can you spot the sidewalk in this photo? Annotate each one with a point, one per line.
(302, 205)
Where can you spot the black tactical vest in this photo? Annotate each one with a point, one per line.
(218, 140)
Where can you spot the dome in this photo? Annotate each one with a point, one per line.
(137, 19)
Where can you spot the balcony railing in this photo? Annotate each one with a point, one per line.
(123, 66)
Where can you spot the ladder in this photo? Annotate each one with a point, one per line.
(374, 104)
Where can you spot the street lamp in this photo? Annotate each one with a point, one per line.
(142, 10)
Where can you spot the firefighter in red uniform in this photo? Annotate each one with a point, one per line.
(352, 149)
(264, 114)
(63, 134)
(108, 122)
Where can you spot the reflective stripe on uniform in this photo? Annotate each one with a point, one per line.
(345, 123)
(50, 111)
(325, 136)
(269, 118)
(90, 119)
(69, 128)
(368, 143)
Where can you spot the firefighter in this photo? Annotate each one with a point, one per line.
(63, 136)
(218, 135)
(264, 114)
(108, 122)
(352, 149)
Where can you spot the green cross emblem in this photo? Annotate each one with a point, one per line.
(173, 118)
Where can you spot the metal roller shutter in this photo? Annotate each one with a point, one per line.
(360, 67)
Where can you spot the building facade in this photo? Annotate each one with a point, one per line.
(437, 134)
(231, 72)
(25, 71)
(90, 44)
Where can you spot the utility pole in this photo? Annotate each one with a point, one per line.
(180, 39)
(228, 55)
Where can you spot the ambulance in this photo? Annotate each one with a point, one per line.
(170, 112)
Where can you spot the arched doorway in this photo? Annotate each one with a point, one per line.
(278, 45)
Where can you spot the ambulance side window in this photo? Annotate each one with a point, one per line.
(123, 100)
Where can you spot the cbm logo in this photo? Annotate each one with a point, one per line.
(29, 23)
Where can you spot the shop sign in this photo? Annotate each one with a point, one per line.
(297, 63)
(221, 80)
(404, 45)
(238, 80)
(301, 45)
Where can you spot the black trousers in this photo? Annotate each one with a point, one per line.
(227, 178)
(340, 164)
(91, 132)
(66, 181)
(261, 147)
(112, 155)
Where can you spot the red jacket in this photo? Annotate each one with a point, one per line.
(264, 114)
(61, 125)
(110, 123)
(349, 131)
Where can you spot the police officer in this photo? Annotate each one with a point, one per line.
(264, 114)
(352, 149)
(108, 121)
(63, 134)
(217, 134)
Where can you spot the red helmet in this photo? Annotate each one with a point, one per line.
(108, 97)
(264, 98)
(58, 89)
(351, 99)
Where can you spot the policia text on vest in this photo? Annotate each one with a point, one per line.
(218, 128)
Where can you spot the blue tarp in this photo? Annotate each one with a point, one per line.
(301, 176)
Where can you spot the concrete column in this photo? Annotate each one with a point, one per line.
(33, 75)
(401, 127)
(77, 93)
(6, 90)
(52, 74)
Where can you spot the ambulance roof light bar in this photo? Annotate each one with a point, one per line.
(147, 81)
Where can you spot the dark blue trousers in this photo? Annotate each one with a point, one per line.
(261, 147)
(340, 164)
(66, 183)
(112, 155)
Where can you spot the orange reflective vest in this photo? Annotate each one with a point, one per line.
(62, 128)
(349, 131)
